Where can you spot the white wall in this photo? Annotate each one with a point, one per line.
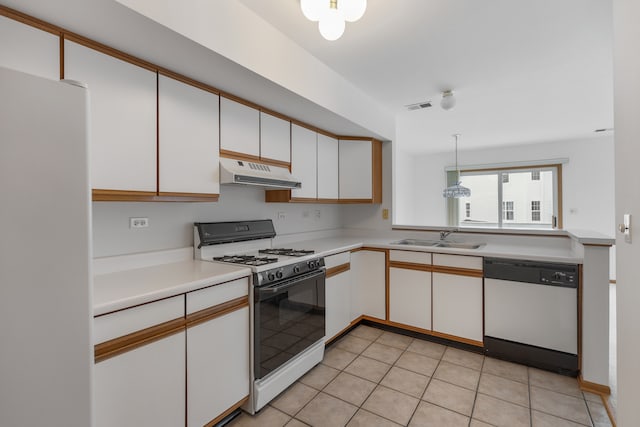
(588, 180)
(171, 224)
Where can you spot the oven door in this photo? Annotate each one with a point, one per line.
(289, 317)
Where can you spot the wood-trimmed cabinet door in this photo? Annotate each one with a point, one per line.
(457, 296)
(122, 105)
(239, 130)
(360, 170)
(327, 168)
(218, 351)
(304, 157)
(28, 49)
(275, 139)
(410, 288)
(139, 374)
(368, 289)
(189, 139)
(338, 294)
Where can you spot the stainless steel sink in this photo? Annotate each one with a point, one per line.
(438, 244)
(459, 245)
(416, 242)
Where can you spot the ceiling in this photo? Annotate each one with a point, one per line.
(522, 71)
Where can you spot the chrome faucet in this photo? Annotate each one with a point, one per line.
(444, 234)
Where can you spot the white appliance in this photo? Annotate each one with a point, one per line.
(287, 302)
(46, 359)
(531, 313)
(234, 171)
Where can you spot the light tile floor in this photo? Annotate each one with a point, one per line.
(376, 378)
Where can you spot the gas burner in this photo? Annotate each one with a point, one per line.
(246, 259)
(286, 252)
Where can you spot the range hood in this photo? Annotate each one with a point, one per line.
(258, 174)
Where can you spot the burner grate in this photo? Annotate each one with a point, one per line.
(286, 252)
(246, 259)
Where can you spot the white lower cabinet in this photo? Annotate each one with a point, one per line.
(338, 295)
(142, 387)
(217, 366)
(217, 350)
(457, 298)
(410, 297)
(368, 284)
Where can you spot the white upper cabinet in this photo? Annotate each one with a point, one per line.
(327, 167)
(239, 128)
(28, 49)
(356, 169)
(303, 161)
(122, 99)
(275, 138)
(188, 136)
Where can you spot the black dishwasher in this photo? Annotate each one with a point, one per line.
(531, 313)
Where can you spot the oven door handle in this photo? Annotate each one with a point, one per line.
(273, 289)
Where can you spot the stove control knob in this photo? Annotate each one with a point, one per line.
(312, 264)
(279, 274)
(271, 276)
(296, 269)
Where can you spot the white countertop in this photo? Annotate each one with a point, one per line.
(546, 253)
(123, 289)
(117, 288)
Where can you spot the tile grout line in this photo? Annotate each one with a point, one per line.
(475, 396)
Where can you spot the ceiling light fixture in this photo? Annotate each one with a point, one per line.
(456, 191)
(448, 100)
(332, 14)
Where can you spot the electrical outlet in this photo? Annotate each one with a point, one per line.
(140, 222)
(282, 216)
(317, 213)
(385, 213)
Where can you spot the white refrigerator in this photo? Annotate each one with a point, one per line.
(45, 251)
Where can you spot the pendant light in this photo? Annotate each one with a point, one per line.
(457, 190)
(331, 15)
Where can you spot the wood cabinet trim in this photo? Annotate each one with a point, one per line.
(239, 156)
(410, 266)
(376, 171)
(215, 311)
(100, 195)
(220, 417)
(126, 343)
(457, 271)
(334, 271)
(367, 248)
(29, 20)
(277, 196)
(273, 162)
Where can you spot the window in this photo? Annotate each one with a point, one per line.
(507, 211)
(507, 198)
(535, 210)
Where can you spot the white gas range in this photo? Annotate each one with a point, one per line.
(287, 301)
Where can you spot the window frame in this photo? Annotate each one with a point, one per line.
(555, 168)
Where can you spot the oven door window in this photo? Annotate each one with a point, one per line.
(290, 317)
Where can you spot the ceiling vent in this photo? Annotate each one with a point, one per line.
(418, 106)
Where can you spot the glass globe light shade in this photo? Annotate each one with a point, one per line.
(448, 100)
(331, 25)
(352, 10)
(314, 9)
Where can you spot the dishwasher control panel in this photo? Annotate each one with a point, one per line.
(558, 277)
(536, 272)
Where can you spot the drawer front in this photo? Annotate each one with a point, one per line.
(120, 323)
(218, 294)
(337, 259)
(459, 261)
(410, 256)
